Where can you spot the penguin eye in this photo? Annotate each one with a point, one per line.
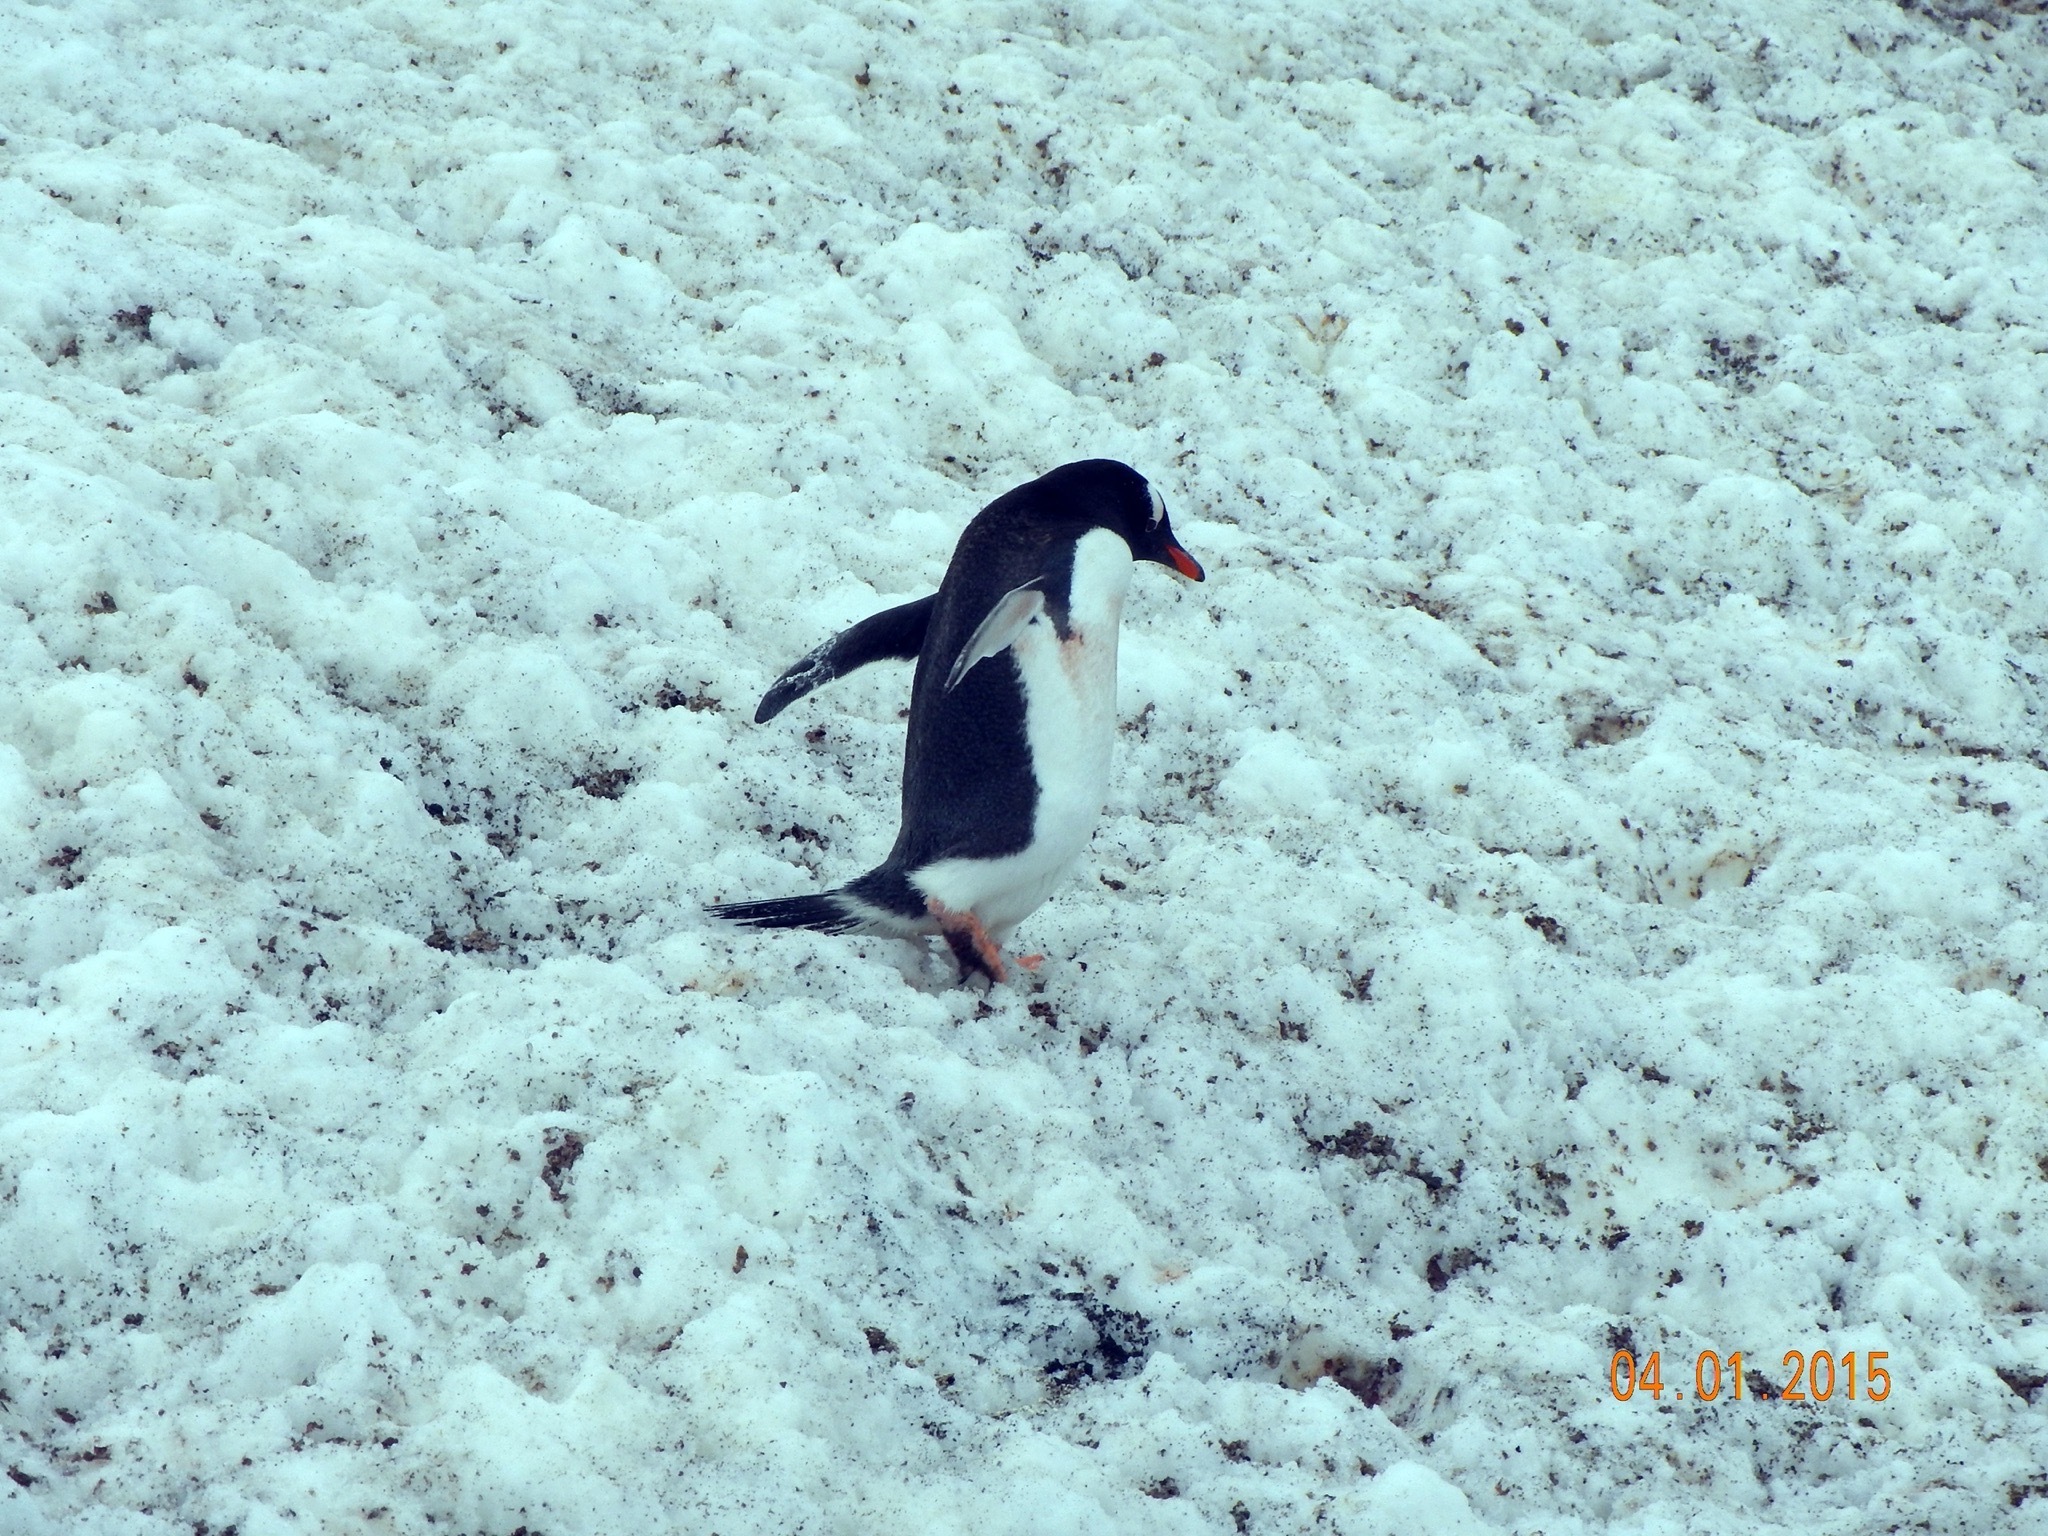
(1158, 508)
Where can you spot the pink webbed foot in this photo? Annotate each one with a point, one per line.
(970, 944)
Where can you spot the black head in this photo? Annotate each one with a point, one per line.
(1111, 495)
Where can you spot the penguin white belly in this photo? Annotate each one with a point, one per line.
(1070, 725)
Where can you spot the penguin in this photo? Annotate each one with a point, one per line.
(1012, 714)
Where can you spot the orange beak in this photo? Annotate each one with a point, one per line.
(1183, 562)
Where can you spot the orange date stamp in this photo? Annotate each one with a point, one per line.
(1815, 1378)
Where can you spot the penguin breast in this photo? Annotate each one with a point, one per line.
(1070, 690)
(1070, 707)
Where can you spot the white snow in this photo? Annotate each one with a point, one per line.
(1572, 875)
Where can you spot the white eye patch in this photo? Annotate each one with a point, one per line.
(1158, 508)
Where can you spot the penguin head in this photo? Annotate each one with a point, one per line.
(1156, 541)
(1108, 494)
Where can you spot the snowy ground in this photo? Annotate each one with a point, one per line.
(1572, 879)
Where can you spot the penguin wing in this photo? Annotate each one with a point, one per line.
(896, 633)
(1012, 614)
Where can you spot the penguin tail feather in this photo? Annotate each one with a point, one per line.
(825, 913)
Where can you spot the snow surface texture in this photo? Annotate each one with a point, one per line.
(1571, 879)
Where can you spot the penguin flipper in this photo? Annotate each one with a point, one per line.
(895, 633)
(1013, 612)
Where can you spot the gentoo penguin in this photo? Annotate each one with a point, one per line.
(1012, 713)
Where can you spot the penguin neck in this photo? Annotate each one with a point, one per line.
(1095, 596)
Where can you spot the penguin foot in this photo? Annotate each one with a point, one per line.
(1031, 962)
(970, 943)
